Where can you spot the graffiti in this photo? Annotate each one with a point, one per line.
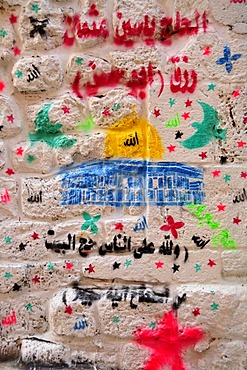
(141, 224)
(241, 197)
(85, 246)
(4, 197)
(166, 342)
(35, 73)
(238, 1)
(207, 130)
(87, 125)
(166, 248)
(174, 121)
(87, 31)
(176, 81)
(132, 141)
(172, 226)
(123, 183)
(200, 243)
(48, 132)
(228, 58)
(70, 23)
(90, 222)
(10, 319)
(38, 27)
(60, 246)
(81, 323)
(116, 245)
(36, 198)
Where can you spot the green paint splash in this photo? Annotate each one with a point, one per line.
(207, 130)
(87, 125)
(49, 133)
(90, 222)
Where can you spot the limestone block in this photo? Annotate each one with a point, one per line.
(72, 318)
(8, 197)
(234, 263)
(10, 119)
(44, 73)
(90, 358)
(215, 316)
(109, 109)
(40, 26)
(9, 275)
(7, 34)
(133, 356)
(9, 349)
(228, 12)
(190, 7)
(2, 155)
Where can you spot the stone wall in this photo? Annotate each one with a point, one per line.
(123, 183)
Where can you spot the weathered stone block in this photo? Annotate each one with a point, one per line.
(234, 263)
(8, 198)
(10, 119)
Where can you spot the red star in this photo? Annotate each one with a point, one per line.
(90, 268)
(106, 112)
(206, 50)
(19, 151)
(69, 265)
(16, 51)
(221, 207)
(241, 144)
(119, 226)
(65, 109)
(36, 279)
(196, 311)
(167, 341)
(245, 119)
(203, 155)
(13, 18)
(172, 226)
(9, 171)
(236, 220)
(171, 148)
(35, 236)
(156, 112)
(236, 93)
(159, 264)
(68, 309)
(185, 59)
(211, 263)
(244, 175)
(10, 118)
(188, 103)
(2, 86)
(119, 15)
(92, 64)
(186, 115)
(216, 173)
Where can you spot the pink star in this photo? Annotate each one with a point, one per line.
(2, 86)
(203, 155)
(172, 226)
(156, 112)
(221, 207)
(13, 18)
(36, 279)
(159, 264)
(236, 93)
(69, 265)
(243, 175)
(206, 50)
(68, 310)
(19, 151)
(166, 342)
(211, 263)
(241, 144)
(236, 220)
(9, 171)
(196, 311)
(119, 226)
(16, 50)
(35, 236)
(171, 148)
(65, 109)
(188, 103)
(106, 112)
(216, 173)
(10, 118)
(186, 115)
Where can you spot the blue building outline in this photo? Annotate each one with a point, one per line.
(121, 183)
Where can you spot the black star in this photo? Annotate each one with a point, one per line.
(116, 265)
(22, 246)
(1, 127)
(175, 267)
(178, 135)
(16, 287)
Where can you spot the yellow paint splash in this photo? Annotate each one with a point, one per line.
(149, 142)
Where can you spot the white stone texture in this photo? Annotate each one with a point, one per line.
(10, 117)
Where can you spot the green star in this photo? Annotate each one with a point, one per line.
(50, 266)
(211, 86)
(3, 33)
(214, 306)
(197, 267)
(172, 102)
(116, 107)
(35, 8)
(30, 158)
(18, 73)
(227, 178)
(152, 325)
(128, 263)
(79, 61)
(1, 113)
(212, 291)
(8, 275)
(29, 307)
(115, 319)
(8, 239)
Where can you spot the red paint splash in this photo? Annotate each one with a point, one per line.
(172, 226)
(75, 85)
(167, 341)
(92, 31)
(71, 25)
